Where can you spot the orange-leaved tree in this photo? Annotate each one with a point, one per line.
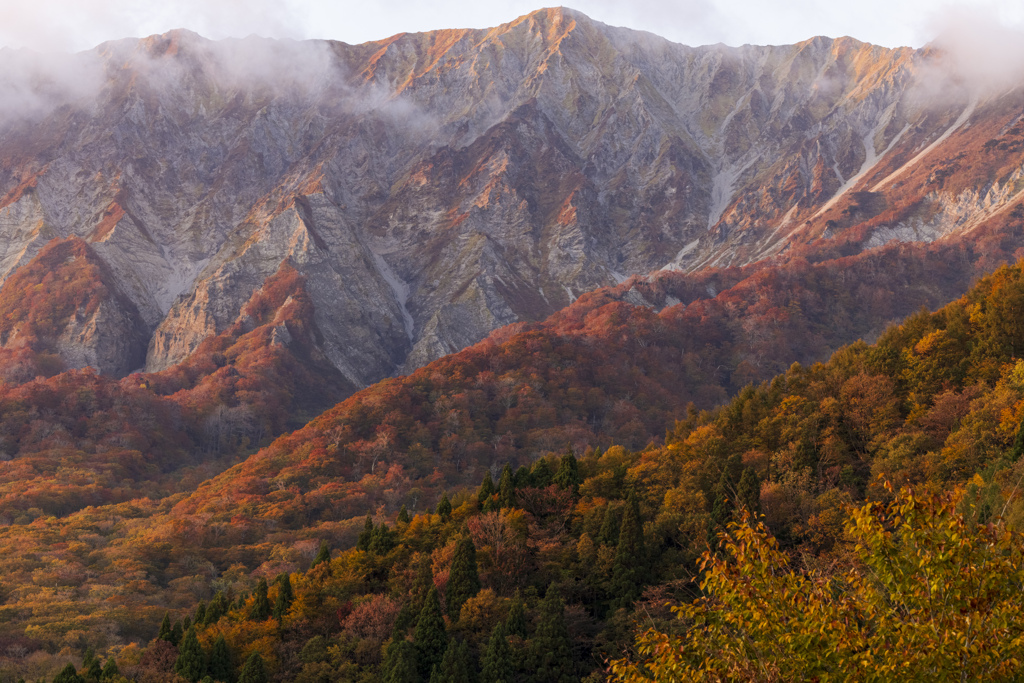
(931, 595)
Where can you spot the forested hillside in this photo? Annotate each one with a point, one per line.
(544, 572)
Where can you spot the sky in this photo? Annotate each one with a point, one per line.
(73, 25)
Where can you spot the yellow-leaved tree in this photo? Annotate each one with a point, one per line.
(932, 596)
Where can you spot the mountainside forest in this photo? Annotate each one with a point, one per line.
(547, 352)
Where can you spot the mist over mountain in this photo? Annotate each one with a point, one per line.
(433, 187)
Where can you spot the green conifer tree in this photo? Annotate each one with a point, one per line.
(254, 670)
(629, 567)
(399, 663)
(285, 595)
(456, 666)
(748, 492)
(166, 631)
(68, 675)
(200, 619)
(487, 489)
(220, 665)
(403, 516)
(176, 633)
(541, 473)
(609, 533)
(497, 664)
(323, 555)
(382, 540)
(515, 624)
(522, 479)
(444, 507)
(366, 535)
(568, 476)
(88, 657)
(507, 488)
(431, 637)
(110, 670)
(191, 662)
(464, 579)
(261, 602)
(94, 671)
(550, 653)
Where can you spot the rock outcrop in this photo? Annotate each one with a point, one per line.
(432, 187)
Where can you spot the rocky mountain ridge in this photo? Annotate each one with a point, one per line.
(433, 187)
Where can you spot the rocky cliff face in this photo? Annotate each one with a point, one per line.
(432, 187)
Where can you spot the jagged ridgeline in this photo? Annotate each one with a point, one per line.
(206, 245)
(551, 567)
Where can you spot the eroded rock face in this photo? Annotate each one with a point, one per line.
(432, 187)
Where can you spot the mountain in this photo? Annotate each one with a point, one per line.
(433, 187)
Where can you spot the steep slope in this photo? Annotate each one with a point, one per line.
(433, 187)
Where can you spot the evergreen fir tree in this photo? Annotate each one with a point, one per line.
(430, 637)
(464, 579)
(191, 662)
(285, 596)
(215, 610)
(403, 516)
(200, 619)
(261, 602)
(568, 476)
(88, 657)
(506, 488)
(522, 479)
(399, 663)
(721, 507)
(609, 533)
(456, 665)
(748, 492)
(94, 671)
(498, 664)
(363, 542)
(254, 670)
(486, 489)
(515, 624)
(630, 557)
(550, 653)
(382, 540)
(176, 633)
(166, 632)
(68, 675)
(323, 555)
(541, 473)
(220, 666)
(186, 623)
(444, 507)
(110, 670)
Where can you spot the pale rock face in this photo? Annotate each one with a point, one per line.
(432, 187)
(107, 341)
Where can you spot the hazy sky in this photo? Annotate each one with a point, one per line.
(80, 24)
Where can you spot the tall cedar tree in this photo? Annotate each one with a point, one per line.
(541, 474)
(609, 533)
(456, 666)
(200, 619)
(220, 667)
(515, 624)
(628, 569)
(403, 516)
(261, 602)
(498, 664)
(430, 637)
(444, 507)
(323, 555)
(363, 541)
(568, 476)
(550, 653)
(254, 670)
(94, 671)
(506, 488)
(285, 595)
(166, 632)
(464, 579)
(176, 633)
(68, 675)
(748, 493)
(399, 663)
(191, 662)
(486, 489)
(88, 657)
(110, 670)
